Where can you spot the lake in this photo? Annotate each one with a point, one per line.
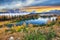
(38, 21)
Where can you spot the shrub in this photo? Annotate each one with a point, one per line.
(35, 36)
(39, 35)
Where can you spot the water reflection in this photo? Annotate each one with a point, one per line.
(38, 21)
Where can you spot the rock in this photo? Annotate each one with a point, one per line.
(11, 38)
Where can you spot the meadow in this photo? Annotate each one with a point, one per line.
(50, 31)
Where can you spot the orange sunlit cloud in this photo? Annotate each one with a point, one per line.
(41, 8)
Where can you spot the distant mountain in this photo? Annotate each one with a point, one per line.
(14, 11)
(33, 12)
(57, 12)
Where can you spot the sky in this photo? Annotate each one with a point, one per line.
(8, 4)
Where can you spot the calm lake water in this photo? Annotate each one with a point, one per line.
(38, 21)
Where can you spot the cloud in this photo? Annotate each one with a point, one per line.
(39, 2)
(21, 3)
(5, 4)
